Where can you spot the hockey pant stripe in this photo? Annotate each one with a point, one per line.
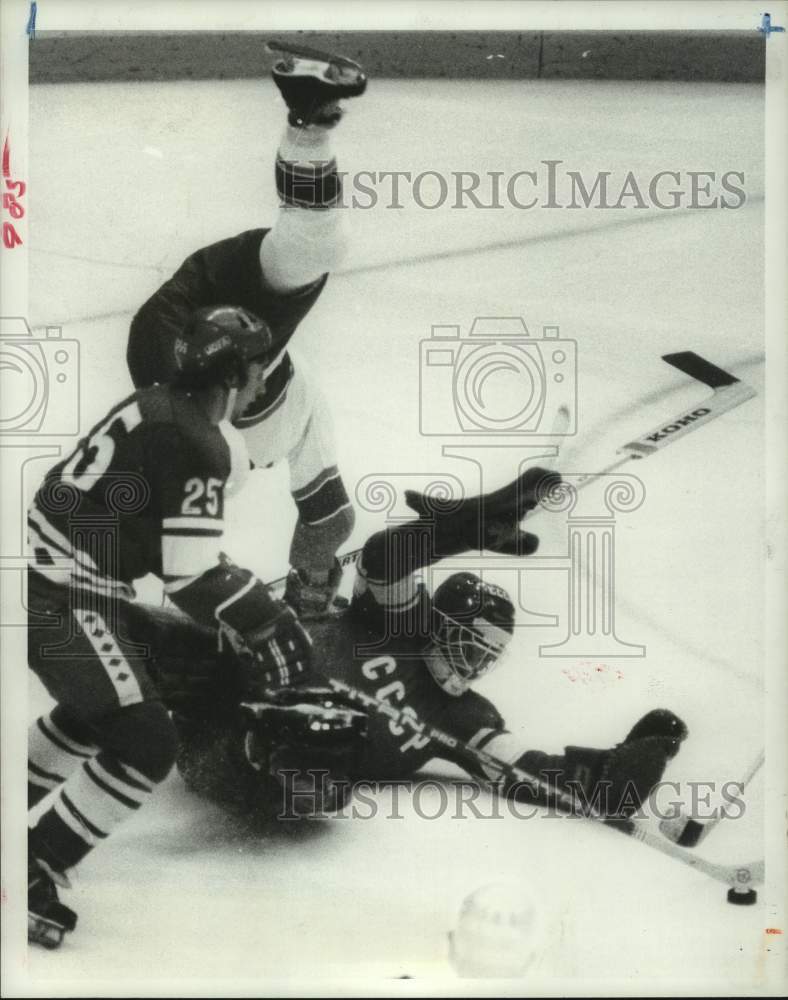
(112, 659)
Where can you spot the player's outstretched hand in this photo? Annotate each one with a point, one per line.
(491, 520)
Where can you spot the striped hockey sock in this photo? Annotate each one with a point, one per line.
(90, 804)
(306, 169)
(56, 745)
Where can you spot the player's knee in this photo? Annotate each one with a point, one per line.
(373, 555)
(144, 737)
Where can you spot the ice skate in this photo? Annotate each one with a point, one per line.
(313, 82)
(47, 918)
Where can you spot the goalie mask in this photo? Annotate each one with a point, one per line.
(473, 622)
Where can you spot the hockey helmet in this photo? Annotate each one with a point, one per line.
(473, 622)
(217, 345)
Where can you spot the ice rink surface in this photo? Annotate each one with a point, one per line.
(127, 179)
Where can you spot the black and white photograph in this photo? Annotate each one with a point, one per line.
(392, 434)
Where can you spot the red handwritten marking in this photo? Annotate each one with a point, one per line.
(11, 237)
(773, 930)
(586, 672)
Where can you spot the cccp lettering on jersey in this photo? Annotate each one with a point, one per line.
(373, 670)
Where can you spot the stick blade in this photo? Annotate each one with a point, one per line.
(699, 368)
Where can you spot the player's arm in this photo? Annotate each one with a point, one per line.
(611, 780)
(203, 582)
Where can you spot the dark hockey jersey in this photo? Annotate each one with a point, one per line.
(224, 273)
(142, 493)
(357, 649)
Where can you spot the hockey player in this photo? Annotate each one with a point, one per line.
(398, 645)
(278, 274)
(143, 493)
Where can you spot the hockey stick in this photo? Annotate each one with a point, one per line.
(739, 877)
(728, 393)
(688, 832)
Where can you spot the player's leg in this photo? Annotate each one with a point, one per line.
(325, 513)
(57, 743)
(307, 239)
(81, 658)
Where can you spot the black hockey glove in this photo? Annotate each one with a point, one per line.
(490, 521)
(277, 652)
(612, 782)
(309, 741)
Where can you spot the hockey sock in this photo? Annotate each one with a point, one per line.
(56, 745)
(307, 239)
(306, 169)
(90, 804)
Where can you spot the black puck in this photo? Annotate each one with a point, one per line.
(742, 897)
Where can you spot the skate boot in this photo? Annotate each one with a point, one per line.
(47, 918)
(313, 82)
(313, 596)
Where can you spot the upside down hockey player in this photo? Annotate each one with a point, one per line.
(396, 644)
(143, 493)
(278, 274)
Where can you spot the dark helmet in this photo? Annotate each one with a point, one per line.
(473, 622)
(217, 345)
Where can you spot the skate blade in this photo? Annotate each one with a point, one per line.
(44, 932)
(305, 52)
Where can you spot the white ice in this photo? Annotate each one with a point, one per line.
(125, 181)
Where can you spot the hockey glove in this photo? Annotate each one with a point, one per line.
(490, 521)
(309, 741)
(612, 782)
(276, 653)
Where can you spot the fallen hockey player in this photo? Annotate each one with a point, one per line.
(397, 645)
(278, 274)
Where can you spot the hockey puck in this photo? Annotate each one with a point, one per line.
(742, 897)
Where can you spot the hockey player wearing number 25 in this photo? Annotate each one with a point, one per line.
(143, 493)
